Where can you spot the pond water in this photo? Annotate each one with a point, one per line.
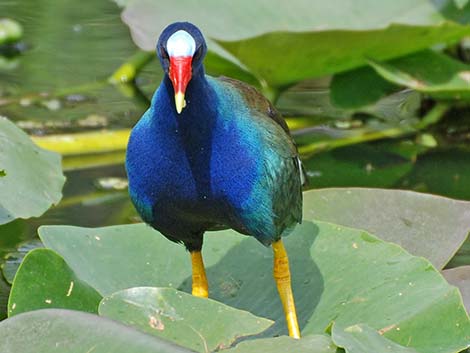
(71, 47)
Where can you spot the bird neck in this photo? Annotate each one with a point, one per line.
(198, 117)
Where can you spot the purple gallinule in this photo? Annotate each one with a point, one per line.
(210, 152)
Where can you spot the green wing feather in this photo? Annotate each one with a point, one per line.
(285, 176)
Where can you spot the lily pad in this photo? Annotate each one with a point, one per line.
(307, 344)
(429, 72)
(426, 225)
(53, 283)
(59, 331)
(202, 325)
(361, 338)
(339, 274)
(460, 277)
(254, 31)
(32, 177)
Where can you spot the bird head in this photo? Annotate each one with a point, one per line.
(181, 49)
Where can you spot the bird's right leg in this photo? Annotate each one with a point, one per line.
(200, 287)
(283, 281)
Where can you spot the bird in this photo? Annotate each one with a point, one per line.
(213, 153)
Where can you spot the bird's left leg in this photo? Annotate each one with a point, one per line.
(283, 281)
(200, 287)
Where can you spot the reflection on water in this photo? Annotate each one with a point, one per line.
(70, 43)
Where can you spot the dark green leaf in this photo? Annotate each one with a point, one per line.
(359, 165)
(442, 171)
(359, 88)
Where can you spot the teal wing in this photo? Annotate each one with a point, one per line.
(282, 164)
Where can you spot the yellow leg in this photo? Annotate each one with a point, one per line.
(282, 277)
(200, 287)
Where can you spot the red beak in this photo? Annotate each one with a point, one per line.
(180, 75)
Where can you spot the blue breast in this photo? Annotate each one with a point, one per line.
(202, 167)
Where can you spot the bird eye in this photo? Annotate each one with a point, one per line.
(198, 54)
(164, 53)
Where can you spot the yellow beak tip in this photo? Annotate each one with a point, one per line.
(180, 103)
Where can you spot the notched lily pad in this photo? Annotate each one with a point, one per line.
(199, 324)
(460, 277)
(44, 280)
(34, 179)
(426, 225)
(59, 331)
(361, 338)
(338, 274)
(283, 344)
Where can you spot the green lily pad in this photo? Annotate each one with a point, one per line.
(460, 277)
(307, 344)
(202, 325)
(429, 72)
(45, 281)
(426, 225)
(258, 33)
(362, 338)
(339, 274)
(32, 177)
(59, 331)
